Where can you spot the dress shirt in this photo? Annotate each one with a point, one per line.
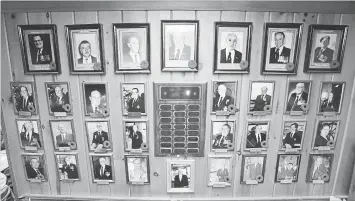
(280, 49)
(87, 60)
(232, 52)
(29, 135)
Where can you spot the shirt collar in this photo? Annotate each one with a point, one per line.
(280, 49)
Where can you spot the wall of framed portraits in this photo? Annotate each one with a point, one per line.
(267, 131)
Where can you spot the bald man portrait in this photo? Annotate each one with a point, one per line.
(64, 138)
(297, 99)
(221, 101)
(34, 169)
(134, 55)
(262, 100)
(323, 54)
(279, 53)
(179, 50)
(94, 102)
(230, 54)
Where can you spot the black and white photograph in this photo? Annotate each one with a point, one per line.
(95, 98)
(257, 135)
(180, 176)
(29, 132)
(102, 168)
(132, 48)
(180, 45)
(287, 167)
(325, 48)
(35, 167)
(331, 97)
(137, 169)
(223, 134)
(224, 94)
(319, 167)
(135, 134)
(59, 97)
(297, 96)
(292, 135)
(220, 170)
(253, 168)
(326, 134)
(281, 47)
(63, 133)
(97, 133)
(261, 95)
(39, 46)
(133, 98)
(232, 46)
(85, 49)
(24, 97)
(68, 167)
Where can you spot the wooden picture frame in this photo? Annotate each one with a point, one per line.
(323, 172)
(325, 134)
(67, 172)
(298, 97)
(257, 175)
(218, 176)
(333, 106)
(32, 161)
(219, 141)
(184, 185)
(134, 107)
(290, 170)
(59, 100)
(100, 98)
(257, 103)
(108, 175)
(98, 135)
(65, 126)
(252, 144)
(131, 165)
(228, 90)
(295, 138)
(24, 104)
(142, 129)
(33, 143)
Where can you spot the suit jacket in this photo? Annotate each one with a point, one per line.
(71, 170)
(180, 184)
(222, 145)
(323, 57)
(296, 139)
(93, 60)
(56, 103)
(237, 56)
(289, 173)
(137, 140)
(32, 174)
(254, 170)
(185, 55)
(33, 142)
(227, 100)
(253, 142)
(107, 173)
(44, 58)
(20, 103)
(64, 143)
(99, 139)
(260, 103)
(320, 141)
(331, 106)
(292, 105)
(127, 59)
(136, 106)
(274, 58)
(90, 110)
(318, 173)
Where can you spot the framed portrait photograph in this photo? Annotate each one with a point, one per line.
(261, 97)
(257, 135)
(220, 170)
(331, 98)
(281, 48)
(319, 168)
(24, 98)
(133, 99)
(35, 167)
(132, 47)
(137, 169)
(102, 168)
(39, 48)
(58, 97)
(96, 99)
(68, 167)
(292, 135)
(325, 48)
(232, 46)
(326, 134)
(253, 169)
(297, 96)
(287, 168)
(180, 176)
(223, 135)
(98, 133)
(135, 134)
(30, 134)
(85, 48)
(179, 45)
(224, 95)
(63, 134)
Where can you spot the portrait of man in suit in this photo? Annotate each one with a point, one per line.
(230, 54)
(323, 54)
(181, 180)
(137, 169)
(58, 98)
(68, 168)
(221, 99)
(287, 167)
(64, 138)
(99, 136)
(40, 49)
(96, 99)
(136, 102)
(286, 172)
(134, 55)
(224, 137)
(28, 135)
(102, 171)
(262, 100)
(23, 99)
(320, 166)
(331, 97)
(279, 54)
(178, 49)
(253, 167)
(326, 131)
(34, 169)
(85, 53)
(297, 98)
(219, 170)
(293, 138)
(255, 136)
(136, 137)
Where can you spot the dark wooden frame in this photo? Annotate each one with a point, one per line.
(84, 95)
(308, 180)
(245, 138)
(91, 156)
(234, 133)
(197, 33)
(283, 128)
(44, 165)
(126, 167)
(69, 96)
(277, 165)
(316, 133)
(339, 54)
(224, 81)
(34, 96)
(109, 134)
(217, 25)
(118, 26)
(55, 53)
(122, 99)
(72, 128)
(272, 97)
(287, 95)
(68, 30)
(243, 164)
(319, 104)
(295, 56)
(124, 130)
(230, 169)
(191, 163)
(39, 131)
(77, 165)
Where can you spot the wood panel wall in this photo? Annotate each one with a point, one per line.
(12, 70)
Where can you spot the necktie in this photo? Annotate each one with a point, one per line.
(38, 55)
(102, 171)
(292, 135)
(220, 101)
(135, 58)
(86, 61)
(63, 136)
(295, 103)
(258, 138)
(229, 60)
(24, 103)
(96, 110)
(27, 135)
(177, 54)
(277, 53)
(220, 142)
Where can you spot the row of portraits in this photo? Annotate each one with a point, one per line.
(179, 47)
(261, 97)
(181, 173)
(135, 134)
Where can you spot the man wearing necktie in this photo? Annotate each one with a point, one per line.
(323, 54)
(28, 136)
(96, 102)
(297, 99)
(34, 171)
(255, 137)
(64, 138)
(59, 98)
(318, 169)
(223, 138)
(254, 168)
(134, 56)
(99, 136)
(181, 180)
(40, 53)
(230, 54)
(262, 100)
(293, 138)
(85, 53)
(279, 54)
(136, 136)
(103, 171)
(24, 100)
(69, 169)
(221, 101)
(179, 50)
(136, 103)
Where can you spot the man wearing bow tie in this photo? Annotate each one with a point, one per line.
(28, 136)
(297, 99)
(69, 169)
(64, 138)
(279, 54)
(99, 136)
(103, 171)
(136, 137)
(40, 53)
(230, 54)
(293, 138)
(136, 103)
(222, 100)
(33, 170)
(323, 54)
(262, 100)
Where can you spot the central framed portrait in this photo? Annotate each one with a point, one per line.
(24, 97)
(287, 168)
(98, 135)
(96, 99)
(330, 98)
(30, 133)
(261, 97)
(297, 96)
(319, 167)
(133, 99)
(135, 135)
(180, 176)
(257, 135)
(253, 169)
(58, 97)
(223, 135)
(224, 95)
(68, 167)
(137, 169)
(102, 168)
(293, 135)
(35, 167)
(325, 135)
(63, 134)
(220, 170)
